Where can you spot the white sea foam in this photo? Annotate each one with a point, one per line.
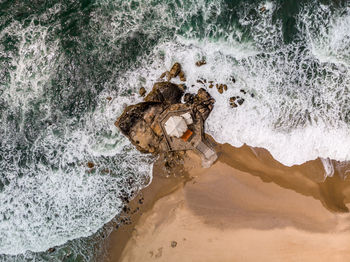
(298, 110)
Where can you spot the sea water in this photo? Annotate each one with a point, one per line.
(61, 60)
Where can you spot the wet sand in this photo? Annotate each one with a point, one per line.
(246, 207)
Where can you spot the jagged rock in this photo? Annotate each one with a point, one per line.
(175, 70)
(202, 95)
(200, 63)
(188, 98)
(165, 92)
(109, 98)
(142, 91)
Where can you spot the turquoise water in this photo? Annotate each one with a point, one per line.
(59, 61)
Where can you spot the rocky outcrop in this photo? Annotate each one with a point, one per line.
(141, 122)
(165, 92)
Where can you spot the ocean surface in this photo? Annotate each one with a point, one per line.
(61, 60)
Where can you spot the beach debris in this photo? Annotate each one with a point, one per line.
(90, 165)
(201, 62)
(109, 98)
(142, 91)
(173, 244)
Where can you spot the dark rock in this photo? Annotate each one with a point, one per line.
(173, 244)
(109, 98)
(142, 91)
(240, 101)
(243, 91)
(200, 62)
(233, 80)
(165, 92)
(188, 98)
(51, 249)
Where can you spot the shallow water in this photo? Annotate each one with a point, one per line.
(60, 61)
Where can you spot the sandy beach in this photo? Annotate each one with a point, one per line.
(246, 207)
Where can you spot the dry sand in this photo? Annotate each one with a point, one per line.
(246, 207)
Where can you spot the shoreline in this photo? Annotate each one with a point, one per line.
(328, 202)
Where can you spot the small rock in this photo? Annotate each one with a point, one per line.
(233, 80)
(182, 76)
(51, 249)
(200, 81)
(200, 62)
(173, 244)
(243, 91)
(142, 91)
(263, 9)
(240, 101)
(211, 86)
(90, 165)
(109, 98)
(220, 88)
(225, 87)
(175, 70)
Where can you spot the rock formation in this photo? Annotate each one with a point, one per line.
(142, 123)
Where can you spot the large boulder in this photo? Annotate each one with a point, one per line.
(165, 92)
(136, 124)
